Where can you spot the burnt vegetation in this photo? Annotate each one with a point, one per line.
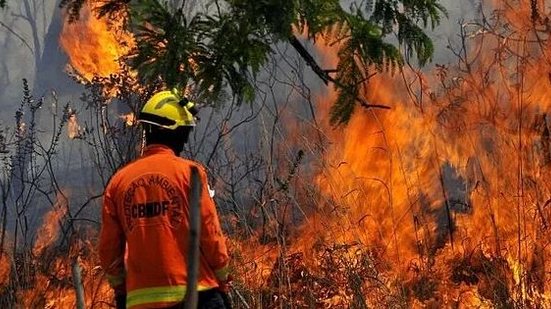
(486, 246)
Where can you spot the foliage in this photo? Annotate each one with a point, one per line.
(2, 4)
(225, 45)
(204, 51)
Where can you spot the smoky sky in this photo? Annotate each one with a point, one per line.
(30, 49)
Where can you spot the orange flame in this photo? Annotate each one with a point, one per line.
(49, 283)
(5, 268)
(451, 187)
(74, 130)
(47, 234)
(94, 46)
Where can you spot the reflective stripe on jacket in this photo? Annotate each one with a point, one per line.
(145, 216)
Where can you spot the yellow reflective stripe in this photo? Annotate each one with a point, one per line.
(203, 287)
(115, 280)
(159, 294)
(155, 295)
(222, 273)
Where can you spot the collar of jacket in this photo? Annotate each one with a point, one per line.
(157, 149)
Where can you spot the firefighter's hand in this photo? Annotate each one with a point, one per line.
(224, 286)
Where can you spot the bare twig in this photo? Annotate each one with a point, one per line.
(77, 283)
(324, 74)
(22, 39)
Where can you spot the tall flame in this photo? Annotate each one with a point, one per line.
(451, 188)
(459, 175)
(48, 232)
(93, 45)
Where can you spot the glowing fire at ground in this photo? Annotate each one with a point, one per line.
(5, 268)
(443, 201)
(451, 189)
(44, 276)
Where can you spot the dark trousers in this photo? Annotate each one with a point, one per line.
(209, 299)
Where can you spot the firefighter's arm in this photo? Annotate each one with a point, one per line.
(213, 242)
(112, 244)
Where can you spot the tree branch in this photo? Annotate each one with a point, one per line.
(324, 74)
(18, 36)
(310, 61)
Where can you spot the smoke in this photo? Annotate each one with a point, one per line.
(401, 180)
(29, 49)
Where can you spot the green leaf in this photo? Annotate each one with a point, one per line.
(221, 50)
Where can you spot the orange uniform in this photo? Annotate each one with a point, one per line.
(145, 212)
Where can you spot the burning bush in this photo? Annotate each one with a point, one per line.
(441, 202)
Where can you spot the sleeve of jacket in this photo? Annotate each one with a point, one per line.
(112, 242)
(213, 242)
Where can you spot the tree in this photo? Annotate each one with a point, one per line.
(225, 44)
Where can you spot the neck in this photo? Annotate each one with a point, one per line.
(177, 149)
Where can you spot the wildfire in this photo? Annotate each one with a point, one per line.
(442, 201)
(450, 188)
(44, 279)
(48, 233)
(74, 130)
(5, 268)
(95, 46)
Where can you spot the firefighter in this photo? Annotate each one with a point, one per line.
(145, 230)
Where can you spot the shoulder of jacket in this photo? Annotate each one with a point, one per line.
(190, 162)
(119, 173)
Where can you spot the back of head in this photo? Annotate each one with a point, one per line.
(168, 120)
(174, 139)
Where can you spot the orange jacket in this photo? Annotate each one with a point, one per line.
(145, 217)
